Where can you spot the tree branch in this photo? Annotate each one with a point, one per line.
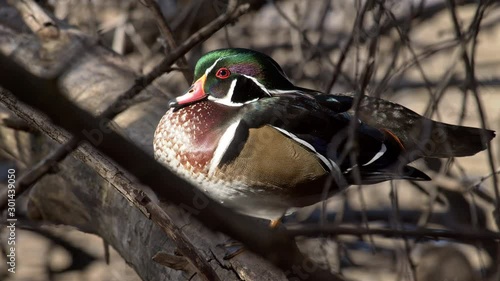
(259, 238)
(166, 32)
(122, 102)
(315, 230)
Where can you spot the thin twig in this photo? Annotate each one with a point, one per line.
(482, 179)
(472, 85)
(406, 41)
(313, 230)
(166, 32)
(351, 149)
(345, 50)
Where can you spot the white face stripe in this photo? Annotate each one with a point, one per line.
(207, 71)
(262, 87)
(221, 101)
(230, 103)
(323, 159)
(222, 146)
(212, 66)
(230, 93)
(226, 100)
(379, 154)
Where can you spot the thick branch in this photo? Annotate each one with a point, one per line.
(121, 103)
(257, 237)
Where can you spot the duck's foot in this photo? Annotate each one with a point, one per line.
(275, 223)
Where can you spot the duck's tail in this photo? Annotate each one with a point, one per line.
(420, 136)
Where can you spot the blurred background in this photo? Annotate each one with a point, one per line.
(417, 61)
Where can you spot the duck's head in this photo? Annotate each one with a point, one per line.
(234, 77)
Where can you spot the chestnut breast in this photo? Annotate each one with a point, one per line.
(190, 135)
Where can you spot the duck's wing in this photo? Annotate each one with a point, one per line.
(324, 132)
(418, 135)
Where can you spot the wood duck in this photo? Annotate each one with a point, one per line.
(250, 139)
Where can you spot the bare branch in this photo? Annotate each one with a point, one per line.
(472, 85)
(463, 235)
(166, 32)
(120, 182)
(257, 237)
(122, 103)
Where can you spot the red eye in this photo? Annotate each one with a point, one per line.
(223, 73)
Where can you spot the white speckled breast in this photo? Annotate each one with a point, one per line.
(185, 141)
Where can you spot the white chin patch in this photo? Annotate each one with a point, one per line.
(224, 101)
(227, 99)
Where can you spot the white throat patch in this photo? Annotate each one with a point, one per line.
(227, 99)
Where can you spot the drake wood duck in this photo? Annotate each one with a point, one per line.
(250, 139)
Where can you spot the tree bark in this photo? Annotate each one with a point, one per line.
(79, 194)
